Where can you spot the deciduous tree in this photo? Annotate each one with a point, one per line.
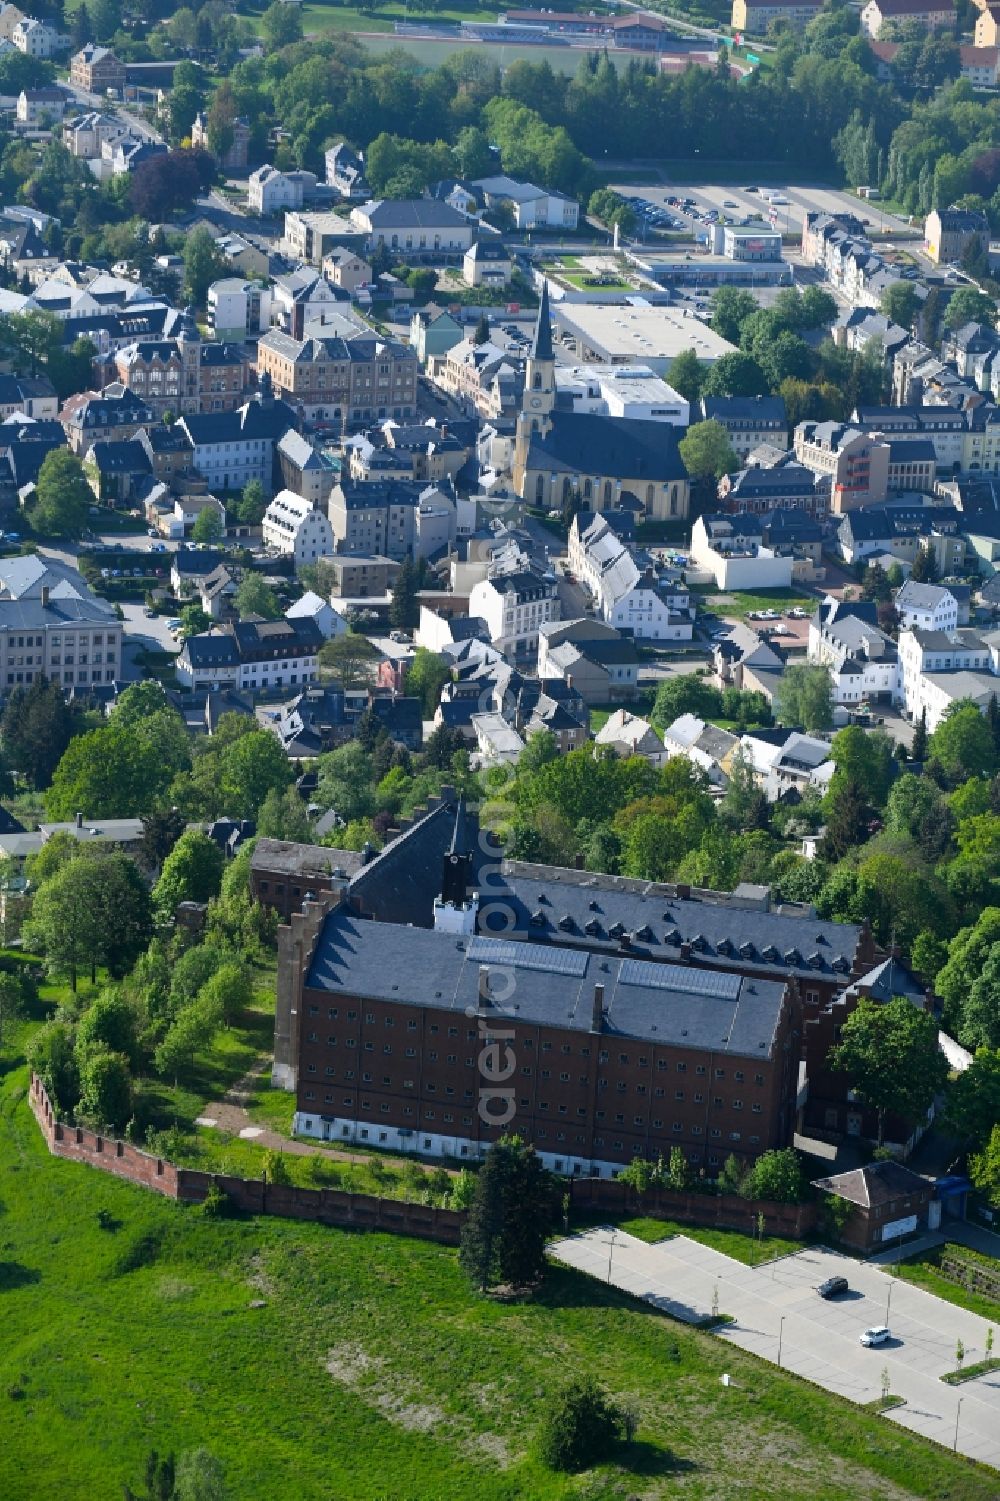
(889, 1052)
(254, 597)
(62, 496)
(192, 872)
(707, 451)
(805, 697)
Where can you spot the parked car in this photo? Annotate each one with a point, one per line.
(878, 1335)
(833, 1287)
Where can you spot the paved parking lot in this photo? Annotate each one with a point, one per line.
(775, 1306)
(802, 198)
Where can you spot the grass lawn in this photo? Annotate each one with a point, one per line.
(584, 281)
(322, 18)
(923, 1270)
(368, 1368)
(745, 1248)
(740, 603)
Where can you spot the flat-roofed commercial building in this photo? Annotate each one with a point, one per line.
(637, 335)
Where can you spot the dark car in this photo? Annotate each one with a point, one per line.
(833, 1287)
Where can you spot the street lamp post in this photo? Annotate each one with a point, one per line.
(887, 1303)
(781, 1331)
(958, 1414)
(611, 1252)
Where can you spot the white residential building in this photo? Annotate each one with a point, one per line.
(628, 596)
(253, 655)
(532, 207)
(238, 310)
(937, 668)
(269, 191)
(799, 762)
(35, 38)
(84, 135)
(497, 742)
(628, 735)
(312, 607)
(862, 659)
(722, 546)
(704, 744)
(292, 525)
(927, 607)
(514, 605)
(41, 108)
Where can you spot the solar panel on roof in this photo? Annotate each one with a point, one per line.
(527, 956)
(708, 982)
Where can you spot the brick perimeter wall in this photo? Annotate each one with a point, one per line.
(716, 1211)
(331, 1206)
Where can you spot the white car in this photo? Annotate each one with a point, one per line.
(879, 1335)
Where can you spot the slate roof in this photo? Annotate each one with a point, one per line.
(746, 409)
(911, 450)
(196, 562)
(921, 596)
(541, 348)
(874, 1185)
(120, 458)
(659, 921)
(252, 421)
(418, 213)
(402, 717)
(256, 639)
(781, 480)
(399, 885)
(211, 650)
(9, 824)
(625, 447)
(666, 1004)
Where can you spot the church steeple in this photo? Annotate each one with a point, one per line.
(539, 374)
(541, 349)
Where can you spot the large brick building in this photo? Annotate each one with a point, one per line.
(606, 1059)
(601, 1018)
(183, 375)
(341, 380)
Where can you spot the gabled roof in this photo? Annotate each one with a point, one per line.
(418, 213)
(877, 1184)
(626, 448)
(915, 596)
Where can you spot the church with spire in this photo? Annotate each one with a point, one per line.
(603, 462)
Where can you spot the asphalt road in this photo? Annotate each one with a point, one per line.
(140, 633)
(136, 123)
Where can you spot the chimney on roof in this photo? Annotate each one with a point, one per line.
(484, 985)
(597, 1019)
(45, 595)
(79, 820)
